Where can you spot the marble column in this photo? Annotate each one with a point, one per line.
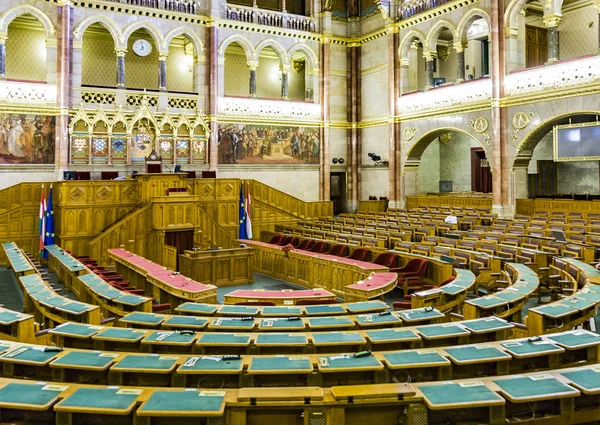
(325, 159)
(551, 22)
(162, 72)
(63, 59)
(460, 59)
(429, 67)
(120, 67)
(284, 82)
(252, 65)
(2, 58)
(393, 94)
(213, 87)
(352, 108)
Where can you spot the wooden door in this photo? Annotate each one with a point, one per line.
(536, 46)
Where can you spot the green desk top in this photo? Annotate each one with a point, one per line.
(183, 402)
(197, 308)
(172, 337)
(38, 394)
(282, 311)
(349, 362)
(8, 317)
(289, 364)
(586, 379)
(42, 295)
(238, 310)
(489, 301)
(408, 358)
(330, 322)
(143, 318)
(30, 356)
(85, 360)
(447, 330)
(392, 335)
(280, 339)
(454, 395)
(191, 322)
(475, 354)
(511, 296)
(132, 300)
(53, 302)
(455, 287)
(578, 303)
(75, 307)
(589, 295)
(419, 315)
(366, 306)
(376, 319)
(314, 310)
(149, 362)
(488, 324)
(530, 388)
(112, 400)
(335, 338)
(281, 323)
(227, 322)
(575, 339)
(224, 338)
(555, 310)
(524, 348)
(211, 363)
(120, 334)
(80, 330)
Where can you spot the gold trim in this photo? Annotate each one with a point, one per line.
(572, 158)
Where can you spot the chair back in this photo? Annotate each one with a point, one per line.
(387, 259)
(339, 250)
(276, 239)
(359, 254)
(316, 302)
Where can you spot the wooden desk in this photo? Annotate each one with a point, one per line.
(279, 298)
(222, 267)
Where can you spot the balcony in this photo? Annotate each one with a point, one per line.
(254, 15)
(93, 97)
(450, 97)
(180, 6)
(27, 93)
(272, 109)
(560, 76)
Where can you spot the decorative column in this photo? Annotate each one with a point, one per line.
(460, 59)
(162, 71)
(63, 58)
(284, 81)
(429, 67)
(120, 67)
(2, 58)
(252, 65)
(213, 86)
(352, 108)
(325, 52)
(551, 22)
(393, 94)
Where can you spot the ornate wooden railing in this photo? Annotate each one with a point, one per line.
(212, 233)
(254, 15)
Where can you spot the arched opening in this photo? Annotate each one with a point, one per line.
(269, 74)
(547, 177)
(299, 80)
(181, 69)
(477, 51)
(98, 67)
(141, 61)
(236, 73)
(445, 63)
(448, 160)
(26, 50)
(414, 77)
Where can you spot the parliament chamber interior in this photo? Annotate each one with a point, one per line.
(299, 212)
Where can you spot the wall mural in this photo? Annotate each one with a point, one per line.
(261, 144)
(27, 139)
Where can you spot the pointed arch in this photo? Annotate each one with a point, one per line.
(313, 61)
(242, 41)
(434, 33)
(407, 41)
(465, 23)
(106, 22)
(26, 9)
(275, 45)
(154, 32)
(191, 35)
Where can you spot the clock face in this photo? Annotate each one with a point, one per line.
(142, 47)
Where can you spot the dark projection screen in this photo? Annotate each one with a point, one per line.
(577, 143)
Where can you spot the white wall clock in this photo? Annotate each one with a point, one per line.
(142, 47)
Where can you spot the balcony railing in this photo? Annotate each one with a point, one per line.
(30, 93)
(275, 109)
(181, 6)
(254, 15)
(559, 76)
(131, 99)
(456, 96)
(411, 8)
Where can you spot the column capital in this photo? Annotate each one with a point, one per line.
(404, 63)
(284, 69)
(163, 57)
(429, 56)
(252, 65)
(552, 20)
(459, 46)
(3, 38)
(120, 52)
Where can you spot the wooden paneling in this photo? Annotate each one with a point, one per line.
(529, 206)
(458, 201)
(373, 206)
(223, 267)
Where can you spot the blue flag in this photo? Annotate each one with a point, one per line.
(243, 216)
(49, 235)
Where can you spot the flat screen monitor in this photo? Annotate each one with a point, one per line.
(69, 175)
(579, 142)
(177, 168)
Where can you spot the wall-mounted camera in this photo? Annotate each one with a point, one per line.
(377, 159)
(338, 161)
